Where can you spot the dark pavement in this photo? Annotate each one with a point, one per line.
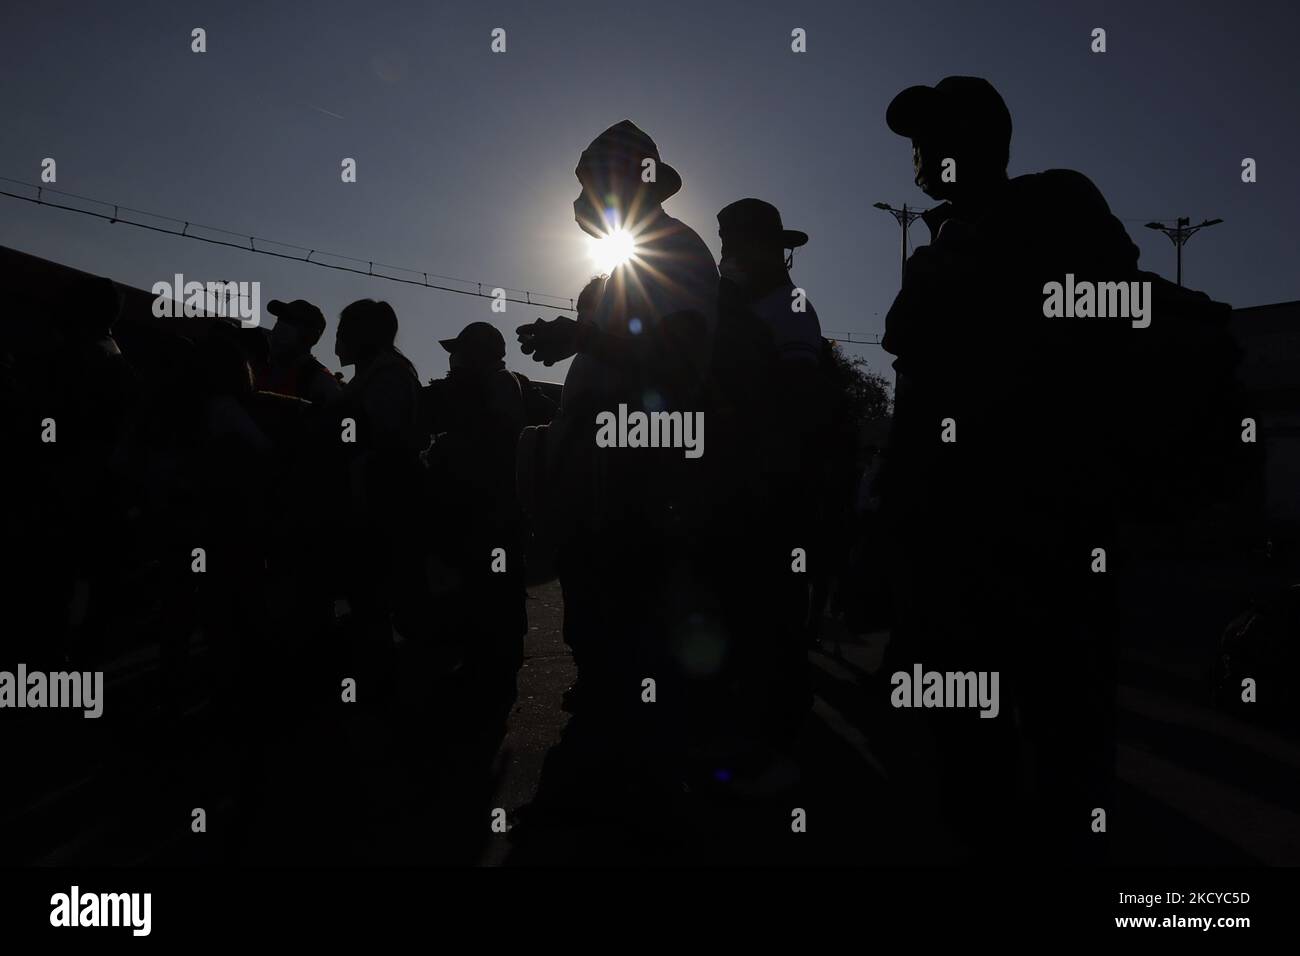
(350, 784)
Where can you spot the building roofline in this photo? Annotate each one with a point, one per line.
(1293, 303)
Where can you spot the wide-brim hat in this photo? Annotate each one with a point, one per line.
(758, 220)
(626, 145)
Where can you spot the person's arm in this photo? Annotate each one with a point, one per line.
(668, 350)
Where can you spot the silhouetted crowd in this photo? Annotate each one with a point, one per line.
(382, 529)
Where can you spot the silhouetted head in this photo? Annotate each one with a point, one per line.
(366, 328)
(298, 327)
(754, 242)
(612, 173)
(479, 346)
(962, 118)
(92, 308)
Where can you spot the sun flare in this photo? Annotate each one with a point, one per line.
(611, 250)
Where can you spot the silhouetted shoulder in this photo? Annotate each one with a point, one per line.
(690, 256)
(1066, 195)
(1063, 187)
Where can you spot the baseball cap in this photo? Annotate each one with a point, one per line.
(299, 312)
(968, 106)
(480, 339)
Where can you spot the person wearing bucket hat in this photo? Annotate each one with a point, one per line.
(996, 475)
(618, 343)
(293, 370)
(641, 341)
(624, 183)
(622, 175)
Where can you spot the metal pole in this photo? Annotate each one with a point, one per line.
(1179, 234)
(903, 248)
(904, 219)
(1183, 236)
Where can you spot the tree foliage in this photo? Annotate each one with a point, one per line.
(867, 394)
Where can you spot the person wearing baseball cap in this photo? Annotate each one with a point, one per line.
(293, 369)
(960, 130)
(962, 118)
(479, 394)
(479, 345)
(998, 464)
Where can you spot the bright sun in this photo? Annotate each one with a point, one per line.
(611, 250)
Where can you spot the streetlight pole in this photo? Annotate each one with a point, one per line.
(1179, 234)
(904, 217)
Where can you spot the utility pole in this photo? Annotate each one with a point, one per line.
(1179, 234)
(904, 218)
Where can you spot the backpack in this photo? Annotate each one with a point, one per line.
(1181, 408)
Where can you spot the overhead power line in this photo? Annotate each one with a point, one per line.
(848, 338)
(258, 245)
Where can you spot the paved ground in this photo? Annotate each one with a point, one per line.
(1196, 785)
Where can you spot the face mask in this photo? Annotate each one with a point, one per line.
(586, 216)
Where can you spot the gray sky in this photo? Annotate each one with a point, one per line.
(465, 158)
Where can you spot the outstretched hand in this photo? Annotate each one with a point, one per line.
(549, 342)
